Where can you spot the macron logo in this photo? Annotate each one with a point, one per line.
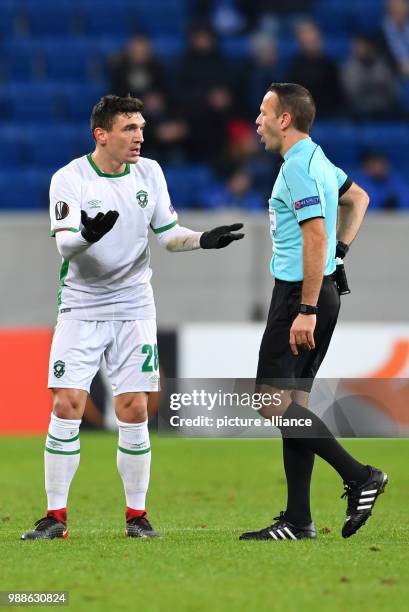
(307, 202)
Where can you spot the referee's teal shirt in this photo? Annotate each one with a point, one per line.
(307, 186)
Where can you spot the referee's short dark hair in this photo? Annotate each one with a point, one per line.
(298, 101)
(104, 111)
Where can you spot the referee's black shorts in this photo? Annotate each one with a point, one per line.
(277, 366)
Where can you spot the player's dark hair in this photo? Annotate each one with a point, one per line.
(104, 111)
(297, 101)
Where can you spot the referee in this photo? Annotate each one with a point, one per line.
(315, 213)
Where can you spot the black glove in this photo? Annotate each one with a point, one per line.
(220, 237)
(96, 227)
(341, 250)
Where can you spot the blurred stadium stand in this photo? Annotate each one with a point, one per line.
(53, 68)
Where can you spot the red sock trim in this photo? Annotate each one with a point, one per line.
(131, 513)
(60, 514)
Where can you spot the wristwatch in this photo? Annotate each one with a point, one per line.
(307, 309)
(341, 249)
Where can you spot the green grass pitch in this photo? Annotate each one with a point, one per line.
(203, 494)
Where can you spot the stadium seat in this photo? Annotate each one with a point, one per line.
(52, 147)
(10, 20)
(168, 47)
(58, 17)
(348, 16)
(81, 60)
(184, 183)
(78, 99)
(391, 138)
(102, 20)
(24, 190)
(27, 102)
(332, 17)
(11, 149)
(236, 47)
(53, 64)
(338, 140)
(366, 15)
(18, 61)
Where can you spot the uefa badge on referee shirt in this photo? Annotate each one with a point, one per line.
(142, 198)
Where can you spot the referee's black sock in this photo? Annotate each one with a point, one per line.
(298, 464)
(322, 442)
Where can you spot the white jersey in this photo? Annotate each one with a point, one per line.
(110, 280)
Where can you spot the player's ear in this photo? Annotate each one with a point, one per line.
(100, 135)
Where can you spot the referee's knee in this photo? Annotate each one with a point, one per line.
(275, 401)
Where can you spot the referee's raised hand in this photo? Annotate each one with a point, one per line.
(302, 333)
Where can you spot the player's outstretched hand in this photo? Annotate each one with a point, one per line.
(96, 227)
(220, 237)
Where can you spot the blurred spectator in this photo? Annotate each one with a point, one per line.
(369, 82)
(202, 66)
(237, 192)
(256, 10)
(167, 132)
(313, 69)
(245, 151)
(259, 72)
(394, 37)
(226, 18)
(209, 120)
(386, 188)
(136, 70)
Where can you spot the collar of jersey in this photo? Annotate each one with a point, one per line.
(100, 173)
(298, 146)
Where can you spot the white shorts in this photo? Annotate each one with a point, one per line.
(129, 347)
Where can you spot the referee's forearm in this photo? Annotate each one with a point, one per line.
(351, 211)
(314, 255)
(349, 221)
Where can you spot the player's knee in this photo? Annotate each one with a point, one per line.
(132, 408)
(68, 404)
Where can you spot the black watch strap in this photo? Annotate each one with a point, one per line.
(307, 309)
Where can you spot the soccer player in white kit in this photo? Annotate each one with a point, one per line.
(101, 208)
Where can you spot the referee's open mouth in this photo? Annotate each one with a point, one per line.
(135, 151)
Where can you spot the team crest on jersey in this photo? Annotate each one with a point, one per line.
(61, 210)
(59, 368)
(95, 203)
(142, 198)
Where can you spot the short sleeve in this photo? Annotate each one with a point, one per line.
(343, 180)
(164, 215)
(307, 198)
(65, 203)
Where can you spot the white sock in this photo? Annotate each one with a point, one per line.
(134, 462)
(61, 459)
